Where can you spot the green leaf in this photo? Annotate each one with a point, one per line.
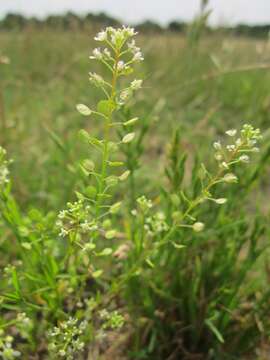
(115, 163)
(214, 330)
(110, 234)
(105, 252)
(15, 281)
(149, 262)
(26, 245)
(96, 274)
(106, 107)
(178, 246)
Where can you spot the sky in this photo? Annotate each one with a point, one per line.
(133, 11)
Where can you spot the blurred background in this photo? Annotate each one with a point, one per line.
(206, 69)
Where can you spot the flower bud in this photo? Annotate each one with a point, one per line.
(83, 109)
(220, 201)
(198, 226)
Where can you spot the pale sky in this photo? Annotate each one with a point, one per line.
(134, 11)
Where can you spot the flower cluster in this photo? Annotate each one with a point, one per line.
(76, 216)
(109, 321)
(144, 204)
(118, 55)
(65, 340)
(236, 152)
(6, 349)
(24, 325)
(156, 224)
(4, 172)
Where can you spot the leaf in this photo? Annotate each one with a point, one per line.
(106, 107)
(96, 274)
(56, 139)
(110, 234)
(15, 281)
(105, 252)
(149, 262)
(26, 245)
(131, 122)
(214, 330)
(178, 246)
(115, 163)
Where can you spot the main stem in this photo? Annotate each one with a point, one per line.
(105, 154)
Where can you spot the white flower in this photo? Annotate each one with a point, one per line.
(255, 149)
(4, 175)
(238, 142)
(231, 147)
(97, 54)
(218, 157)
(107, 53)
(198, 226)
(230, 178)
(125, 94)
(244, 158)
(96, 79)
(101, 36)
(63, 233)
(231, 132)
(85, 226)
(224, 165)
(132, 47)
(62, 214)
(217, 145)
(128, 31)
(120, 65)
(136, 84)
(138, 57)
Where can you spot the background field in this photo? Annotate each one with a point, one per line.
(222, 82)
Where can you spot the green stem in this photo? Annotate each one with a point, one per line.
(105, 154)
